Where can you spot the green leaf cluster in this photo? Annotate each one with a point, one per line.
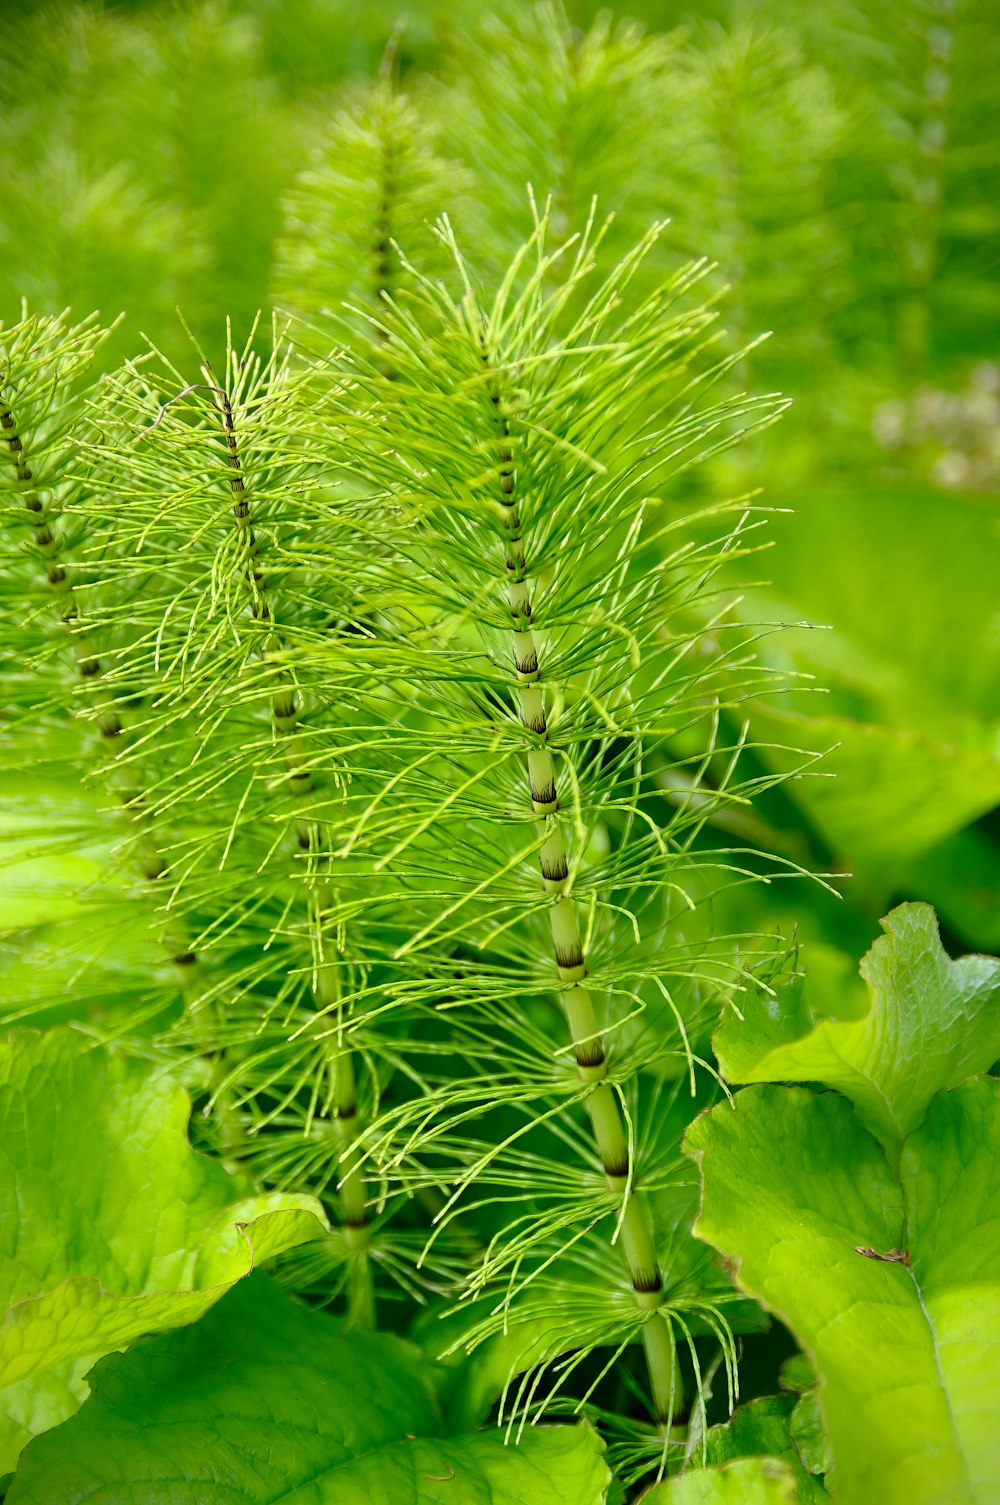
(864, 1217)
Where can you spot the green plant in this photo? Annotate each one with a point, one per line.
(394, 750)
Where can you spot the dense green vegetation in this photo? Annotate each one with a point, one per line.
(465, 731)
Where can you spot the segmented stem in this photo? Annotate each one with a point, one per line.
(602, 1103)
(90, 669)
(382, 237)
(352, 1199)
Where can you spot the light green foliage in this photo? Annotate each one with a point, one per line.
(48, 887)
(801, 1198)
(266, 1400)
(248, 615)
(112, 1226)
(749, 1481)
(932, 1022)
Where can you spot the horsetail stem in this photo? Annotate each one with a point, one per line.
(610, 1134)
(351, 1196)
(382, 247)
(90, 669)
(383, 231)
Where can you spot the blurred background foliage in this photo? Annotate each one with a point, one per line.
(841, 163)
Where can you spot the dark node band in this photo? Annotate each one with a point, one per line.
(527, 665)
(646, 1281)
(89, 667)
(347, 1111)
(186, 959)
(15, 447)
(589, 1053)
(616, 1169)
(111, 727)
(546, 796)
(554, 872)
(539, 725)
(568, 960)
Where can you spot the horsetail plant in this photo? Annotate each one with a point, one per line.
(530, 646)
(44, 362)
(427, 668)
(198, 570)
(375, 184)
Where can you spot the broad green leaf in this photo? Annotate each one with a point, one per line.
(808, 1433)
(884, 794)
(748, 1481)
(910, 667)
(264, 1401)
(110, 1225)
(765, 1429)
(932, 1022)
(800, 1198)
(912, 623)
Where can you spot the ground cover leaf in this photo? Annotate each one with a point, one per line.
(111, 1226)
(747, 1481)
(768, 1428)
(801, 1199)
(932, 1023)
(264, 1400)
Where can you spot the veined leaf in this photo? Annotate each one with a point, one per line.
(111, 1225)
(264, 1401)
(892, 1285)
(932, 1023)
(748, 1481)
